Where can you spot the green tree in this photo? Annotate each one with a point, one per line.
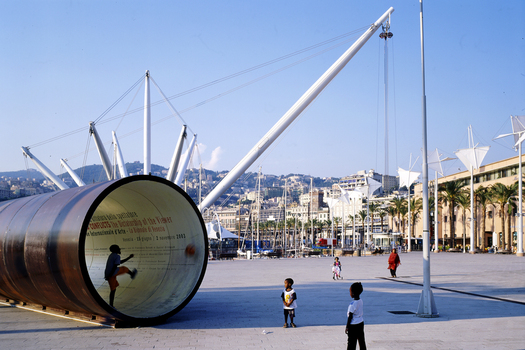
(362, 214)
(391, 210)
(503, 196)
(483, 199)
(320, 226)
(448, 194)
(398, 204)
(372, 209)
(382, 214)
(463, 201)
(416, 206)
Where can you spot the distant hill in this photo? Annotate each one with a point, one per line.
(31, 174)
(95, 173)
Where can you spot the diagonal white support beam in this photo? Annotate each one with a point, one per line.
(45, 170)
(308, 97)
(71, 172)
(176, 156)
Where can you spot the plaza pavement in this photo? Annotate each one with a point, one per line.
(480, 299)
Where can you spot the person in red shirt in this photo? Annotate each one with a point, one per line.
(393, 262)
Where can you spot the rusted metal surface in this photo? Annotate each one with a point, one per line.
(44, 259)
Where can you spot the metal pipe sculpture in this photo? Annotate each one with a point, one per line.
(54, 248)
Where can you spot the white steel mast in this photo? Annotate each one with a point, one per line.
(292, 114)
(71, 172)
(45, 170)
(106, 163)
(427, 305)
(185, 162)
(147, 128)
(120, 158)
(176, 156)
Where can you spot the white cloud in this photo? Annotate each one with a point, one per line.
(215, 158)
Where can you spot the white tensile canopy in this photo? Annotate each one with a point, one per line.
(213, 231)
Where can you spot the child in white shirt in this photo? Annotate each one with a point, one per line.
(355, 324)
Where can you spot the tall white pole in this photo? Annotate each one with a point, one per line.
(305, 100)
(120, 158)
(71, 172)
(436, 238)
(519, 252)
(472, 243)
(367, 218)
(176, 156)
(353, 223)
(106, 163)
(427, 305)
(409, 221)
(285, 224)
(344, 226)
(312, 210)
(147, 128)
(258, 206)
(186, 161)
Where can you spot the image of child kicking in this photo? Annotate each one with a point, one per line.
(288, 296)
(113, 270)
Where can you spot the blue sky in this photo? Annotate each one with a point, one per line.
(65, 62)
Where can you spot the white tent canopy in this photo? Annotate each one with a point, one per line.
(213, 231)
(407, 177)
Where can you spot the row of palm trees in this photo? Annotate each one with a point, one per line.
(454, 195)
(499, 196)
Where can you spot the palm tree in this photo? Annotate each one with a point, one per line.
(280, 227)
(337, 221)
(398, 204)
(502, 195)
(464, 202)
(382, 213)
(290, 222)
(511, 207)
(314, 234)
(391, 210)
(484, 200)
(362, 215)
(372, 208)
(449, 192)
(320, 226)
(416, 206)
(402, 213)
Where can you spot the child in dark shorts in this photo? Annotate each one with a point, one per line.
(288, 296)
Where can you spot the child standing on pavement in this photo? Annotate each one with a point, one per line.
(288, 296)
(355, 324)
(336, 269)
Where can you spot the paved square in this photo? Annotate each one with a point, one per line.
(480, 299)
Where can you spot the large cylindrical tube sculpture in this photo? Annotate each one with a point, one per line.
(54, 248)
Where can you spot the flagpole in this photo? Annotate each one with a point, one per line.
(427, 306)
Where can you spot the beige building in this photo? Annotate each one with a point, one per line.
(504, 172)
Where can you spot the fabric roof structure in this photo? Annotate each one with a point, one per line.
(213, 231)
(407, 177)
(472, 157)
(371, 186)
(518, 127)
